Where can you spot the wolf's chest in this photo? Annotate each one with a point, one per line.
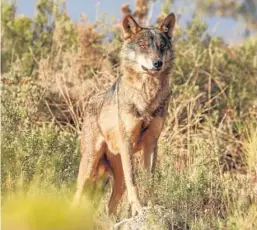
(156, 105)
(155, 109)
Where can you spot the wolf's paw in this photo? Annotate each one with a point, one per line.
(136, 208)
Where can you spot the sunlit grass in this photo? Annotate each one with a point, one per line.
(250, 146)
(44, 211)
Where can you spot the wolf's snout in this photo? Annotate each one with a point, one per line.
(157, 63)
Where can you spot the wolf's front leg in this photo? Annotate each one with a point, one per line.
(129, 176)
(130, 127)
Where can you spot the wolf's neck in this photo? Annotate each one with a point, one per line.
(148, 85)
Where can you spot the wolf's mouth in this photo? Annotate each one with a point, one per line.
(144, 68)
(150, 70)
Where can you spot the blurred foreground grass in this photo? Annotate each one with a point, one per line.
(44, 212)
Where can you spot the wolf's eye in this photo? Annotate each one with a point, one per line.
(162, 46)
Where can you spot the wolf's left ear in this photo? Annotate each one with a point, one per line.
(168, 24)
(129, 26)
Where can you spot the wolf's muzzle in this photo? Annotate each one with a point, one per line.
(157, 63)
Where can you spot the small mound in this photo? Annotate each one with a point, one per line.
(152, 218)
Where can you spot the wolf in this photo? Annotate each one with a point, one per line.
(129, 116)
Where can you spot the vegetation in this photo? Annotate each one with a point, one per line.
(207, 165)
(241, 10)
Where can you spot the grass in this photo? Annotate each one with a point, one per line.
(206, 174)
(37, 210)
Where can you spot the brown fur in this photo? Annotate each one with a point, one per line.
(129, 116)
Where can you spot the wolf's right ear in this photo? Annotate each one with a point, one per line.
(129, 26)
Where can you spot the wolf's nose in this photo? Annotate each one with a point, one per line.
(157, 63)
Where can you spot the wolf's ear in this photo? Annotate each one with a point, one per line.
(129, 26)
(168, 24)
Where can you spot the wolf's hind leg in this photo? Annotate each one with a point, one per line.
(149, 141)
(87, 171)
(83, 176)
(118, 184)
(150, 156)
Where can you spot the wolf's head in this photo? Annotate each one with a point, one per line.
(148, 50)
